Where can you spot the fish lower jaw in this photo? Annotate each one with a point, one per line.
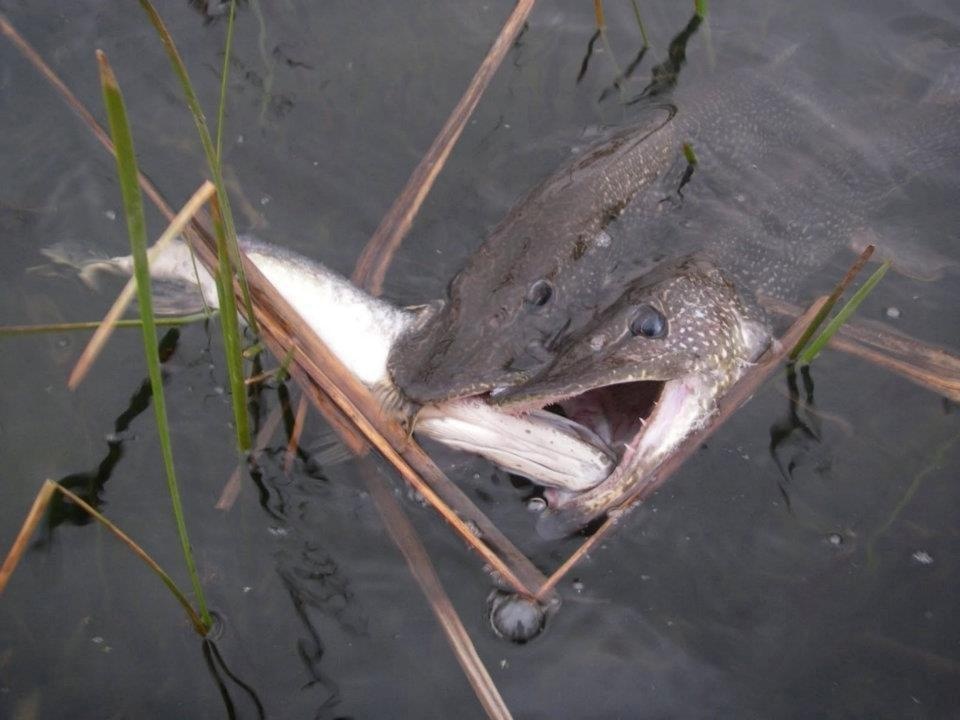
(548, 449)
(685, 405)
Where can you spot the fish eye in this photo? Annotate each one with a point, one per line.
(539, 293)
(648, 322)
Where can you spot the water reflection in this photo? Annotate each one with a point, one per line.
(89, 485)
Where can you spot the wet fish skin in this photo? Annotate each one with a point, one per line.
(707, 330)
(783, 183)
(539, 274)
(360, 330)
(709, 336)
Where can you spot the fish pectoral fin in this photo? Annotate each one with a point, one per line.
(328, 450)
(178, 297)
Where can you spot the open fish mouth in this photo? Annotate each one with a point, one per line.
(588, 447)
(620, 394)
(642, 422)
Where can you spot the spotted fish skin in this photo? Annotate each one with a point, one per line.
(706, 330)
(683, 325)
(494, 328)
(783, 182)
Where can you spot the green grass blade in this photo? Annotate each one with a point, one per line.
(180, 69)
(94, 324)
(231, 331)
(813, 349)
(832, 299)
(221, 106)
(136, 227)
(228, 252)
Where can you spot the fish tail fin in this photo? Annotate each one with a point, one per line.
(87, 264)
(90, 273)
(173, 279)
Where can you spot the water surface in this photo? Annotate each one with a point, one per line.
(803, 564)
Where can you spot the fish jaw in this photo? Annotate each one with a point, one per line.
(685, 405)
(644, 394)
(541, 446)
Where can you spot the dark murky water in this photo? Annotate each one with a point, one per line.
(817, 579)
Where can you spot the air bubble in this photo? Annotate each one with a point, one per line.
(515, 618)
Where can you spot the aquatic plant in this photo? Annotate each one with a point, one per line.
(128, 176)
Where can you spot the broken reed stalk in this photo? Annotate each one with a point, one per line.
(29, 527)
(811, 351)
(35, 515)
(736, 397)
(376, 256)
(405, 538)
(295, 432)
(831, 301)
(103, 332)
(598, 15)
(94, 324)
(128, 174)
(927, 365)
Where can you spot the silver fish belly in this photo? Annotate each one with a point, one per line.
(361, 331)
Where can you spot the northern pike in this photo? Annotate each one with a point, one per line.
(619, 292)
(622, 289)
(361, 330)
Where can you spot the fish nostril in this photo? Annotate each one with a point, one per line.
(539, 294)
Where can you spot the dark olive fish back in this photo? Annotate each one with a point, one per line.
(781, 182)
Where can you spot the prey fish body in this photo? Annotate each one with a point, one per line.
(361, 331)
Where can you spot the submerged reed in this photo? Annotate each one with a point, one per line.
(94, 324)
